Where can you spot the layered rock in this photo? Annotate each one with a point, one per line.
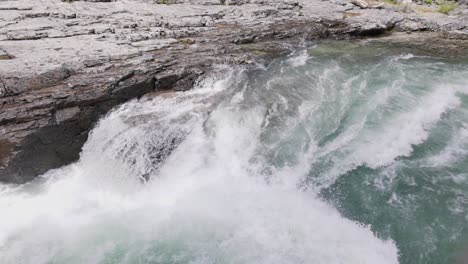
(65, 64)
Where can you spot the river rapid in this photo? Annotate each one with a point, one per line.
(337, 153)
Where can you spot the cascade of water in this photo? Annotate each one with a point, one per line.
(235, 170)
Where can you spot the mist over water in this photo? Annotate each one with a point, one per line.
(334, 154)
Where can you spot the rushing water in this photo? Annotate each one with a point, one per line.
(335, 154)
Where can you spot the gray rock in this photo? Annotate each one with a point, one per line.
(360, 3)
(4, 55)
(66, 114)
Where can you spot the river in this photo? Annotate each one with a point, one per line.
(350, 152)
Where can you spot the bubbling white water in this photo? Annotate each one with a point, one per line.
(207, 200)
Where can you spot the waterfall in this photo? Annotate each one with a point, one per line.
(255, 166)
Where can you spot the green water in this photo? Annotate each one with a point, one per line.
(420, 200)
(391, 128)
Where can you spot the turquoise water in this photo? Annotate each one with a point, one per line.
(391, 128)
(338, 153)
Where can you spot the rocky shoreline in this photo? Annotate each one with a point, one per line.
(63, 65)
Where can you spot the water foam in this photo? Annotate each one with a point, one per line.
(299, 59)
(208, 202)
(375, 136)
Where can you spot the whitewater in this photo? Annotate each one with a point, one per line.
(333, 154)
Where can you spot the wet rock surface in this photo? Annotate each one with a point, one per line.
(64, 64)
